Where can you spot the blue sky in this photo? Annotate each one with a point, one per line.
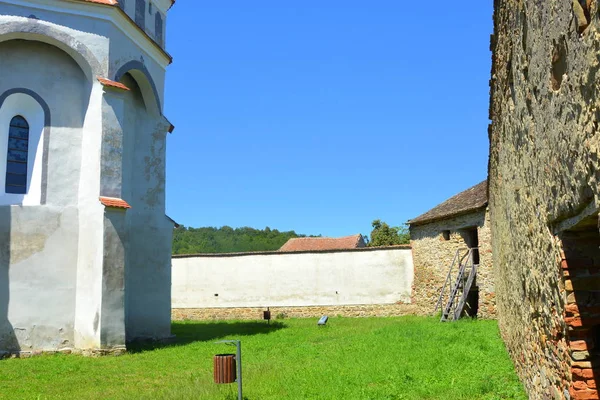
(320, 117)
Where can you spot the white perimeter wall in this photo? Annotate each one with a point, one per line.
(382, 276)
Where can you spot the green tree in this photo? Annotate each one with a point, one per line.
(403, 234)
(385, 235)
(228, 240)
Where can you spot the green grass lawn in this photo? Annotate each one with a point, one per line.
(370, 358)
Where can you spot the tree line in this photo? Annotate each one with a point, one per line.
(228, 240)
(187, 240)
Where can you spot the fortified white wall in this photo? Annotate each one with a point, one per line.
(351, 277)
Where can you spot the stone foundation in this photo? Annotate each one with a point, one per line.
(85, 353)
(254, 313)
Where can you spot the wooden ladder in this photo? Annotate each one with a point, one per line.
(459, 291)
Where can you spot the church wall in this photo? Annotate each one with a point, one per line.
(63, 87)
(148, 274)
(41, 259)
(102, 42)
(41, 242)
(144, 12)
(112, 45)
(126, 52)
(70, 28)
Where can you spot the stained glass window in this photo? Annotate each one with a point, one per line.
(16, 160)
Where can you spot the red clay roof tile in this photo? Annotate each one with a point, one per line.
(112, 84)
(319, 243)
(108, 2)
(114, 202)
(114, 2)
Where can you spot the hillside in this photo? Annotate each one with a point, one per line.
(228, 240)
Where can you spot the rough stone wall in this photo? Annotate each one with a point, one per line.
(253, 313)
(543, 174)
(433, 255)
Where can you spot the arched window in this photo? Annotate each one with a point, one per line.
(16, 160)
(140, 13)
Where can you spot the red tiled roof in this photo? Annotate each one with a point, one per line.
(114, 2)
(112, 84)
(108, 2)
(114, 202)
(469, 200)
(319, 243)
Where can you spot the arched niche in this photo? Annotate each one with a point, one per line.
(142, 76)
(35, 30)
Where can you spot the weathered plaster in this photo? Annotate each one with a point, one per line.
(146, 82)
(12, 28)
(71, 275)
(113, 280)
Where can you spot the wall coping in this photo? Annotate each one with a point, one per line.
(275, 252)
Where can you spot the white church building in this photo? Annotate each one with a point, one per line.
(85, 246)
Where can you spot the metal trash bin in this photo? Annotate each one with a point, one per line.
(224, 368)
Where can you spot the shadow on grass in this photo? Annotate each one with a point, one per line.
(203, 331)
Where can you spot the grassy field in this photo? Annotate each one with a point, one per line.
(371, 358)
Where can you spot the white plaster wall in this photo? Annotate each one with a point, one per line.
(293, 279)
(71, 23)
(111, 39)
(91, 229)
(160, 6)
(97, 41)
(62, 85)
(148, 273)
(40, 243)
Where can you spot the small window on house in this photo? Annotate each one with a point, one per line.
(16, 159)
(150, 8)
(446, 235)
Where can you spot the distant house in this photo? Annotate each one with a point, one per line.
(456, 225)
(323, 243)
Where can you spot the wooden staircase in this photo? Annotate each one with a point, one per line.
(459, 289)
